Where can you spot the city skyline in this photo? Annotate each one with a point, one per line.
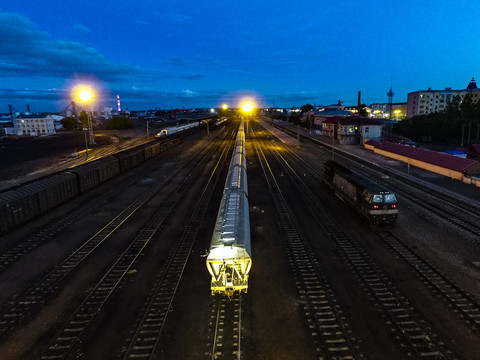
(163, 55)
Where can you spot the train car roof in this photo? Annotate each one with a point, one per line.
(356, 178)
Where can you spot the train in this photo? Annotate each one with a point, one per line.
(229, 258)
(372, 201)
(220, 121)
(27, 201)
(175, 129)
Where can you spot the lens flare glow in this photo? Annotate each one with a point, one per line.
(85, 95)
(247, 107)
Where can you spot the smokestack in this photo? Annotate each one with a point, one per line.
(359, 94)
(118, 103)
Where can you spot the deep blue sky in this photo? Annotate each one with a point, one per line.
(193, 53)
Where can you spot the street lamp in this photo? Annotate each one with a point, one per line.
(86, 95)
(247, 108)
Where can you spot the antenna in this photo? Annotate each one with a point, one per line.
(390, 100)
(390, 105)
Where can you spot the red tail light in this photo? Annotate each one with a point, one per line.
(375, 206)
(394, 206)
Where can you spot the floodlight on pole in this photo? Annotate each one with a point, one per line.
(247, 107)
(86, 95)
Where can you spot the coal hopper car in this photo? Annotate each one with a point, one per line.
(370, 200)
(229, 259)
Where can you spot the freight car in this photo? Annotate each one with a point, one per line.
(27, 201)
(229, 258)
(371, 200)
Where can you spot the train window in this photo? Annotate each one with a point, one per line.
(390, 198)
(377, 198)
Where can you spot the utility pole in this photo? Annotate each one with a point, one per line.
(390, 105)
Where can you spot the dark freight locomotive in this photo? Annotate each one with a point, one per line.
(371, 200)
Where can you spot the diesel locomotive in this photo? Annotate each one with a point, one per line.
(376, 204)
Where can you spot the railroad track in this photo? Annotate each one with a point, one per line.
(12, 254)
(66, 342)
(148, 330)
(22, 306)
(463, 303)
(464, 217)
(410, 329)
(330, 330)
(451, 207)
(225, 328)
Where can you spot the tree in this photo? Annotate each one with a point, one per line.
(306, 107)
(69, 123)
(294, 118)
(362, 110)
(120, 123)
(84, 119)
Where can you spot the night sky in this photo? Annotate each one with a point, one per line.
(174, 54)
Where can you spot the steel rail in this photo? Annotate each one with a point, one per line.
(332, 332)
(68, 337)
(421, 341)
(22, 306)
(148, 331)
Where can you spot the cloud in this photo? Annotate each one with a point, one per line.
(188, 92)
(28, 52)
(82, 28)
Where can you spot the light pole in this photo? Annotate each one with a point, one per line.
(86, 145)
(247, 108)
(86, 96)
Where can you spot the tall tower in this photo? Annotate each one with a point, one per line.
(390, 102)
(118, 103)
(390, 106)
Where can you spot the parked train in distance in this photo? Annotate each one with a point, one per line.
(176, 129)
(376, 204)
(229, 257)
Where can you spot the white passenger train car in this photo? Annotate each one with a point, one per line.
(175, 129)
(230, 257)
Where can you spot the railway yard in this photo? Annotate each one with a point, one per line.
(119, 271)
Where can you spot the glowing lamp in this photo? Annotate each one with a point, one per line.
(85, 95)
(247, 107)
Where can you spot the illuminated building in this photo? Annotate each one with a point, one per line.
(34, 125)
(429, 101)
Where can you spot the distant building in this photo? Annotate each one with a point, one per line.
(316, 117)
(475, 95)
(34, 125)
(382, 111)
(429, 101)
(353, 129)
